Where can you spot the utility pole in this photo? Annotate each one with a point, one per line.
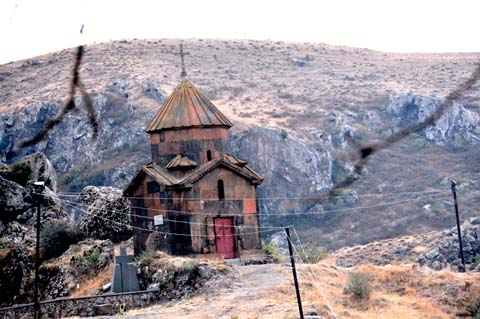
(460, 242)
(39, 187)
(294, 270)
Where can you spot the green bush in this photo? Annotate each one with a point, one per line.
(283, 134)
(359, 285)
(19, 173)
(190, 265)
(87, 265)
(145, 257)
(314, 254)
(57, 236)
(271, 250)
(92, 257)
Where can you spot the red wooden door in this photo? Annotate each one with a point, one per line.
(225, 237)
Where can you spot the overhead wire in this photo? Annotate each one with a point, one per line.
(76, 194)
(164, 218)
(309, 212)
(163, 232)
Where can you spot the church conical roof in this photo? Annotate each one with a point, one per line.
(187, 107)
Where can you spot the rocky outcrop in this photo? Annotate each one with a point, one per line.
(105, 214)
(41, 170)
(456, 125)
(14, 199)
(16, 262)
(121, 124)
(445, 252)
(60, 277)
(177, 277)
(436, 250)
(280, 242)
(289, 164)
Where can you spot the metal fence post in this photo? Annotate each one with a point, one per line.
(459, 230)
(294, 270)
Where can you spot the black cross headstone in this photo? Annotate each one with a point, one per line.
(124, 274)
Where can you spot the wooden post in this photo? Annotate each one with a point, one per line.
(294, 271)
(459, 230)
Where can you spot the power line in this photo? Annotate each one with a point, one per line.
(76, 194)
(76, 205)
(166, 233)
(312, 212)
(303, 213)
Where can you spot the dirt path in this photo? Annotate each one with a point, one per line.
(250, 294)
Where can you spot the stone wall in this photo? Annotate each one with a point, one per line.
(191, 142)
(83, 306)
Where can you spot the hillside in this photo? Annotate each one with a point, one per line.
(320, 95)
(267, 291)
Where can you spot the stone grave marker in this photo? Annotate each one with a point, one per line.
(124, 277)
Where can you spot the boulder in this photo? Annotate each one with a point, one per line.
(16, 263)
(106, 215)
(14, 199)
(279, 240)
(42, 170)
(4, 170)
(14, 232)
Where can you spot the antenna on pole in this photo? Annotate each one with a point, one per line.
(182, 58)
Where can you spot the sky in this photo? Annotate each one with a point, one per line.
(33, 27)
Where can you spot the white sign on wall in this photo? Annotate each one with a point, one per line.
(158, 220)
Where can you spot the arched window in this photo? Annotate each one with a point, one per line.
(209, 155)
(221, 190)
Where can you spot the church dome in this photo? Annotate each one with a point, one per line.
(187, 107)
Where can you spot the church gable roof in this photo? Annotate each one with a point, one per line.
(163, 177)
(243, 171)
(160, 175)
(179, 162)
(187, 107)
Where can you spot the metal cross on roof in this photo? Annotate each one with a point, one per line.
(182, 55)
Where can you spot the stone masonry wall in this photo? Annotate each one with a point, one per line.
(82, 306)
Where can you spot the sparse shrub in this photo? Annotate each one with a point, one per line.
(271, 250)
(475, 262)
(283, 134)
(146, 257)
(87, 265)
(359, 285)
(314, 254)
(57, 236)
(190, 265)
(19, 173)
(473, 302)
(420, 143)
(93, 257)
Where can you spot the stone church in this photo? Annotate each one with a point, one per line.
(194, 197)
